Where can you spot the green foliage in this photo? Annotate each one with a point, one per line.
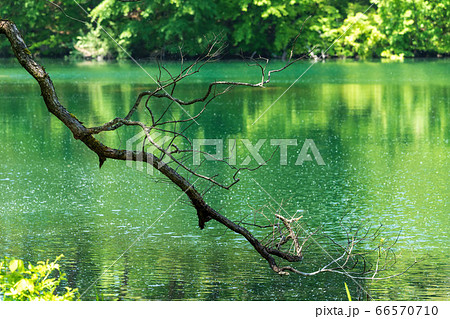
(363, 38)
(93, 45)
(415, 27)
(391, 28)
(39, 282)
(47, 31)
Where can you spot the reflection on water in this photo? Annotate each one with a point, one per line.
(382, 129)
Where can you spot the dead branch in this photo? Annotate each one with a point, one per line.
(289, 230)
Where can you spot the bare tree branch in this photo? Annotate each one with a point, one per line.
(281, 230)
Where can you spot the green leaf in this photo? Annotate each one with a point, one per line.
(23, 285)
(13, 265)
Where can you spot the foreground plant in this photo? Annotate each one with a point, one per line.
(27, 283)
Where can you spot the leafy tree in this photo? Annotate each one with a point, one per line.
(363, 39)
(148, 27)
(50, 32)
(414, 27)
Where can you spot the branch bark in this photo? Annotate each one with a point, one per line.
(205, 212)
(80, 132)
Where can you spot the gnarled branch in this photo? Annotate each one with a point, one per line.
(205, 213)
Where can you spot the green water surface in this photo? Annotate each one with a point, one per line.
(382, 129)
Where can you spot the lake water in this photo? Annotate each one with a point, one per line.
(382, 129)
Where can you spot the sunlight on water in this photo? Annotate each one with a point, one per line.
(382, 130)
